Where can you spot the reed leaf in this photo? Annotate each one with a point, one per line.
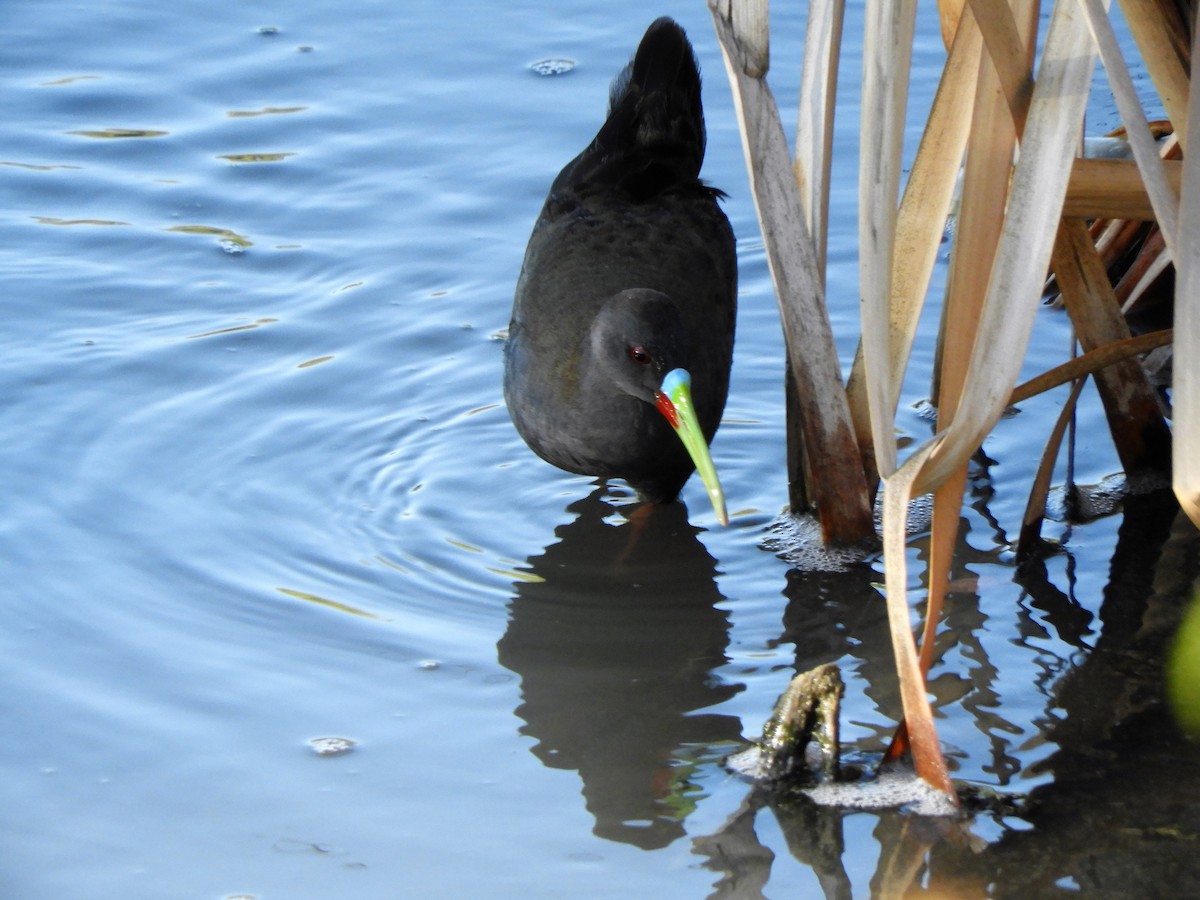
(1035, 204)
(989, 157)
(1163, 199)
(920, 222)
(1156, 43)
(841, 493)
(814, 153)
(1007, 50)
(950, 13)
(1140, 434)
(1090, 362)
(1152, 262)
(921, 734)
(887, 55)
(1114, 189)
(1032, 207)
(1185, 388)
(1035, 507)
(814, 122)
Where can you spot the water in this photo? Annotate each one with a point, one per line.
(260, 491)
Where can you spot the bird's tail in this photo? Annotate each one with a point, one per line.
(655, 123)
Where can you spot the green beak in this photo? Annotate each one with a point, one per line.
(675, 403)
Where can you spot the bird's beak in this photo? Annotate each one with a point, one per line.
(674, 401)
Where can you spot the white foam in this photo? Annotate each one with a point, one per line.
(748, 763)
(893, 789)
(798, 540)
(889, 790)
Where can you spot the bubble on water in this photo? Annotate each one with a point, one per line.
(332, 746)
(233, 248)
(268, 30)
(554, 66)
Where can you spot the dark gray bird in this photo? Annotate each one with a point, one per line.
(626, 302)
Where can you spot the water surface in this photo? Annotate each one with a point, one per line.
(261, 489)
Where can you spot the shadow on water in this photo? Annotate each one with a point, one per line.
(615, 634)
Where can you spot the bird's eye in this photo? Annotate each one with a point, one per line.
(639, 355)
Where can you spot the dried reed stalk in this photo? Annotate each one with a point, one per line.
(1185, 396)
(840, 494)
(1012, 221)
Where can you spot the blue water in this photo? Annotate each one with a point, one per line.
(260, 487)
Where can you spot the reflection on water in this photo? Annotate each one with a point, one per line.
(1101, 826)
(1107, 821)
(617, 631)
(813, 835)
(615, 636)
(248, 394)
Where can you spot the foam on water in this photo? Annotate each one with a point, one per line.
(892, 789)
(797, 539)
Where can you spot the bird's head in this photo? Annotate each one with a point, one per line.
(639, 345)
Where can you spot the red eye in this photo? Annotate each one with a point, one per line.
(639, 355)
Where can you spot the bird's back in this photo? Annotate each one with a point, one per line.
(629, 211)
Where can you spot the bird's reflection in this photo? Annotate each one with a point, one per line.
(615, 635)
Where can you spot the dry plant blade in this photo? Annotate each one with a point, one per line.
(1113, 189)
(887, 57)
(993, 131)
(920, 223)
(1141, 436)
(1152, 261)
(1035, 507)
(950, 13)
(984, 199)
(929, 193)
(840, 493)
(1137, 129)
(1034, 207)
(814, 153)
(814, 124)
(1114, 237)
(922, 736)
(1035, 204)
(984, 194)
(989, 153)
(1185, 388)
(1090, 362)
(1007, 51)
(1168, 72)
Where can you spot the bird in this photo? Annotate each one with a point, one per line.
(619, 349)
